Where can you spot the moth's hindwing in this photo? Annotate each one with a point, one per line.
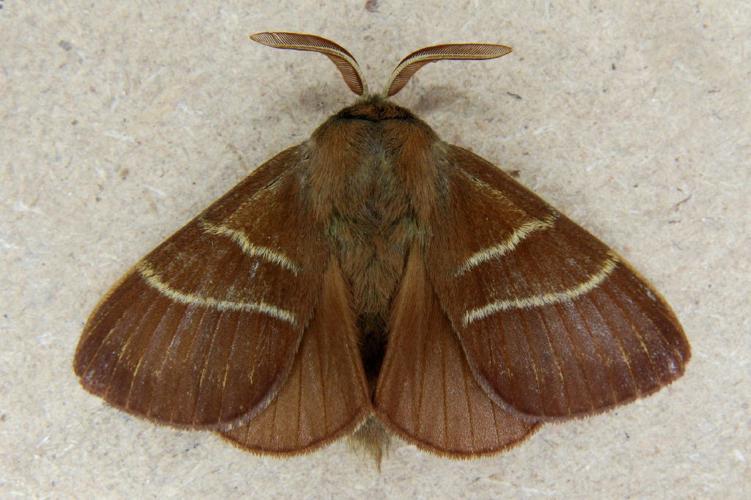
(325, 395)
(426, 392)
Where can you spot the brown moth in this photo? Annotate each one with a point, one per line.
(374, 279)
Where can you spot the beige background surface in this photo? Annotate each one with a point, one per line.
(121, 120)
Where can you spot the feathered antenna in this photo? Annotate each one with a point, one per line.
(344, 61)
(457, 51)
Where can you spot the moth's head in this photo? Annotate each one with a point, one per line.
(376, 106)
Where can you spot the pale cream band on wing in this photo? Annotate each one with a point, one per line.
(155, 281)
(544, 299)
(508, 244)
(249, 248)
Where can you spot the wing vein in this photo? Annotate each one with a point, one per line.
(556, 356)
(445, 398)
(205, 363)
(469, 403)
(532, 355)
(554, 352)
(635, 331)
(420, 374)
(617, 338)
(212, 342)
(126, 344)
(578, 355)
(298, 412)
(667, 345)
(533, 364)
(145, 352)
(193, 339)
(322, 377)
(226, 368)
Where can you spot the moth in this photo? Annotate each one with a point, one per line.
(375, 280)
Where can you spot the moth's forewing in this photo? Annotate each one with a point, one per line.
(554, 324)
(204, 330)
(426, 392)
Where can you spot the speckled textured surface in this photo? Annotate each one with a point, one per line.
(121, 120)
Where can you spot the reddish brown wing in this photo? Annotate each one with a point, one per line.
(553, 323)
(325, 395)
(204, 330)
(426, 392)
